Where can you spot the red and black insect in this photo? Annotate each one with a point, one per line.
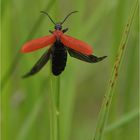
(61, 44)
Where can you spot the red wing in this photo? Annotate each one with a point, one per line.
(39, 43)
(76, 44)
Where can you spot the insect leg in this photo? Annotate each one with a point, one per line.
(51, 31)
(65, 30)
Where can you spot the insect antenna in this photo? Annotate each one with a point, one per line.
(68, 16)
(48, 16)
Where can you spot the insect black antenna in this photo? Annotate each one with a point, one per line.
(48, 16)
(68, 16)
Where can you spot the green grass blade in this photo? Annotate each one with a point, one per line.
(18, 55)
(30, 120)
(4, 58)
(108, 96)
(122, 121)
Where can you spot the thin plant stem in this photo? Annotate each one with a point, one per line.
(52, 112)
(58, 107)
(55, 107)
(103, 115)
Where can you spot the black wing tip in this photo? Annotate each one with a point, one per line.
(96, 59)
(26, 75)
(42, 12)
(75, 11)
(101, 58)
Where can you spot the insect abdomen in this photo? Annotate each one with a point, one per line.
(59, 58)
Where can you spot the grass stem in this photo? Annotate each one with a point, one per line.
(55, 107)
(103, 115)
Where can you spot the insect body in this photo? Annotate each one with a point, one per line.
(59, 57)
(60, 45)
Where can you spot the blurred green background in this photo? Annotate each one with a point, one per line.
(24, 103)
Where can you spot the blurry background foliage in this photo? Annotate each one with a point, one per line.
(24, 103)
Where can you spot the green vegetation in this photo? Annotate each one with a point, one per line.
(44, 107)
